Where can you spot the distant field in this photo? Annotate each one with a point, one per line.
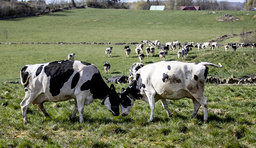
(107, 25)
(232, 108)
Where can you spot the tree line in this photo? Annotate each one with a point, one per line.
(13, 8)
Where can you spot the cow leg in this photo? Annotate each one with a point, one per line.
(24, 106)
(204, 102)
(80, 106)
(196, 108)
(41, 106)
(75, 111)
(164, 104)
(151, 101)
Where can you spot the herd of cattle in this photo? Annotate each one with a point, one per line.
(182, 50)
(71, 79)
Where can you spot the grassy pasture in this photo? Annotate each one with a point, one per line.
(232, 116)
(96, 25)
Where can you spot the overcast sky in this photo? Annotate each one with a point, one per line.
(50, 1)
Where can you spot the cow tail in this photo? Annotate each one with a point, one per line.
(210, 64)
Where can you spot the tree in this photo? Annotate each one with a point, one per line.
(73, 3)
(250, 4)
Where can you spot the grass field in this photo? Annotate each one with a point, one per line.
(232, 108)
(97, 25)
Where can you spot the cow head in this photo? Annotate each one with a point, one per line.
(128, 96)
(112, 101)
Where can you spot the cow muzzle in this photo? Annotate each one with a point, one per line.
(124, 114)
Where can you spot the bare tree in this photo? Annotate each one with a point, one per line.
(73, 3)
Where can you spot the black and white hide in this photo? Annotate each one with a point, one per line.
(106, 67)
(162, 54)
(127, 51)
(141, 57)
(108, 51)
(171, 80)
(65, 80)
(71, 56)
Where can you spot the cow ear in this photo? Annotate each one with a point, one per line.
(133, 83)
(112, 87)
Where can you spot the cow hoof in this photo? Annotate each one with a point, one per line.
(150, 120)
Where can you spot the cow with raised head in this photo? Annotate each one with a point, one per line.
(168, 80)
(127, 51)
(106, 67)
(71, 56)
(108, 51)
(134, 68)
(64, 80)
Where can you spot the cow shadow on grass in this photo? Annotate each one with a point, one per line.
(115, 72)
(92, 120)
(217, 118)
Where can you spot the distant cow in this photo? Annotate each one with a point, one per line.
(139, 49)
(168, 80)
(152, 50)
(127, 51)
(141, 57)
(134, 68)
(162, 54)
(233, 46)
(183, 52)
(71, 56)
(226, 47)
(108, 51)
(147, 51)
(106, 66)
(64, 80)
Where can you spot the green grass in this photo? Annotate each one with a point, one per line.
(231, 123)
(97, 25)
(231, 107)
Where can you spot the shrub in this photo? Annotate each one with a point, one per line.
(142, 5)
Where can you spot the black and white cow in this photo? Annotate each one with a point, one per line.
(106, 67)
(64, 80)
(168, 80)
(108, 51)
(71, 56)
(127, 51)
(134, 68)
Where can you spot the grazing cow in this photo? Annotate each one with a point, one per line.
(155, 43)
(139, 49)
(162, 54)
(212, 47)
(127, 51)
(141, 57)
(199, 46)
(168, 80)
(206, 44)
(135, 67)
(183, 52)
(152, 50)
(109, 51)
(226, 47)
(106, 66)
(233, 46)
(253, 45)
(147, 51)
(176, 44)
(71, 56)
(64, 80)
(214, 44)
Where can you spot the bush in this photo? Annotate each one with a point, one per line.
(94, 4)
(142, 5)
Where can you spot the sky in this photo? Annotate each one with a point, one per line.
(50, 1)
